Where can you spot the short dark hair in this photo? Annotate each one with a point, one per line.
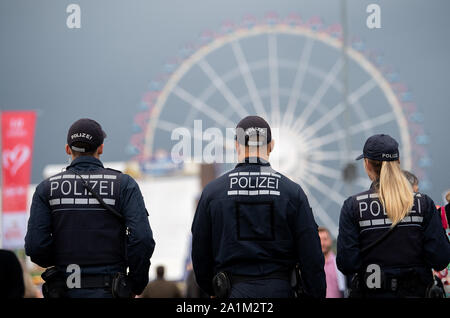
(160, 271)
(79, 154)
(323, 229)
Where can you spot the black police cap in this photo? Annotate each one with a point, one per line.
(380, 147)
(255, 131)
(85, 135)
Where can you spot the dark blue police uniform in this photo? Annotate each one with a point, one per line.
(67, 225)
(397, 261)
(255, 224)
(405, 257)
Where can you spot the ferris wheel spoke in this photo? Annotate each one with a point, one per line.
(324, 155)
(273, 75)
(323, 188)
(166, 125)
(248, 78)
(354, 99)
(320, 212)
(362, 90)
(361, 113)
(371, 123)
(323, 121)
(362, 126)
(323, 170)
(318, 95)
(298, 82)
(331, 155)
(339, 108)
(363, 182)
(190, 117)
(326, 139)
(202, 107)
(222, 87)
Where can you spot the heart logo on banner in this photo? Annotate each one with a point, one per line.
(15, 158)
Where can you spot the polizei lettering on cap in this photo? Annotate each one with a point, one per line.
(81, 135)
(252, 130)
(390, 156)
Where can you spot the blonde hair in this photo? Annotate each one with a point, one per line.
(394, 189)
(447, 196)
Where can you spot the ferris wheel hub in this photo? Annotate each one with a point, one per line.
(290, 152)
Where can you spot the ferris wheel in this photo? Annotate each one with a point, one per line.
(287, 71)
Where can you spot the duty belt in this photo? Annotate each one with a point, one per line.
(96, 281)
(405, 284)
(395, 284)
(236, 279)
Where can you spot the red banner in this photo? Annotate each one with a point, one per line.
(17, 148)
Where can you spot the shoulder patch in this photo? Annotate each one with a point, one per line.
(56, 176)
(118, 171)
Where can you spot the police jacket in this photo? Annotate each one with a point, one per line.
(418, 241)
(68, 225)
(253, 221)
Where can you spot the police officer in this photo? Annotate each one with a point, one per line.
(389, 236)
(252, 225)
(90, 221)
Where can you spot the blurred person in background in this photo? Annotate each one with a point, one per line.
(31, 291)
(444, 275)
(336, 281)
(11, 276)
(192, 290)
(444, 211)
(160, 287)
(413, 180)
(390, 238)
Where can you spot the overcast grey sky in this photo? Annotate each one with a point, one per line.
(103, 69)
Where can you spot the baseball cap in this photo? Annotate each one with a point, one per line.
(85, 135)
(254, 131)
(380, 147)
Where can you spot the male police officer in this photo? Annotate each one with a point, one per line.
(93, 217)
(252, 225)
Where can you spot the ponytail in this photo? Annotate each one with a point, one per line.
(395, 191)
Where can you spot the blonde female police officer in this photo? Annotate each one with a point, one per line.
(389, 236)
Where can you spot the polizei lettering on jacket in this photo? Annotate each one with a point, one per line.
(372, 213)
(253, 183)
(68, 189)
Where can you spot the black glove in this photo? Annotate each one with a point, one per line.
(121, 286)
(55, 283)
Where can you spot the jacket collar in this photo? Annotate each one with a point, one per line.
(253, 160)
(83, 160)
